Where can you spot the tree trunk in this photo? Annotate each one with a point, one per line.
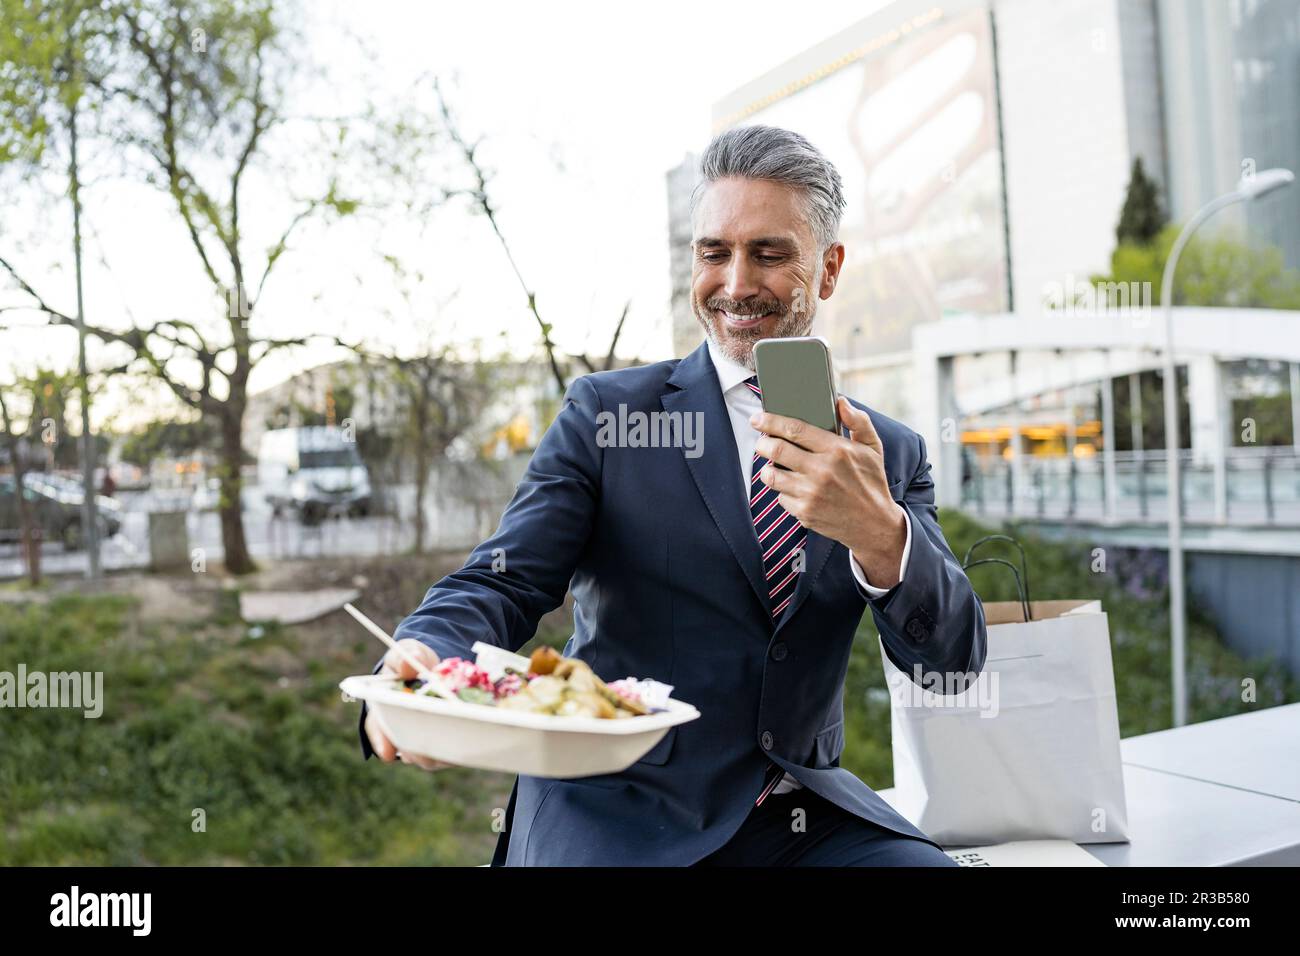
(238, 560)
(29, 531)
(89, 516)
(421, 488)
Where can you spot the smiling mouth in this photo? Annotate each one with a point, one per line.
(738, 321)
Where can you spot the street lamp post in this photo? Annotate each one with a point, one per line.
(1248, 189)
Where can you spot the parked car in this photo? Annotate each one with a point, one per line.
(312, 472)
(57, 504)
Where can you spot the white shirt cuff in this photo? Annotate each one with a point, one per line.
(861, 575)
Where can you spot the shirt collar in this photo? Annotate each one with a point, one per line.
(730, 372)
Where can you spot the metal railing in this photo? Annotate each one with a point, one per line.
(1261, 487)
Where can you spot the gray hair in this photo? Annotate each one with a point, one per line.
(779, 155)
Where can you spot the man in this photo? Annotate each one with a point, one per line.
(661, 549)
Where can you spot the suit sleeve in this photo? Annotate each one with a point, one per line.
(523, 570)
(933, 617)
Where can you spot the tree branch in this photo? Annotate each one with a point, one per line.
(480, 196)
(41, 304)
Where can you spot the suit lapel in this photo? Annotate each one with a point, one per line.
(694, 388)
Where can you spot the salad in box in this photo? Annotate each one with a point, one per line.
(546, 716)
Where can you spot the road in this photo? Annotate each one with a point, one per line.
(268, 537)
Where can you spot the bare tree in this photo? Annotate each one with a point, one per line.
(48, 49)
(442, 398)
(605, 364)
(440, 390)
(477, 193)
(199, 123)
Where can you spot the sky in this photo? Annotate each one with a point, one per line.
(582, 107)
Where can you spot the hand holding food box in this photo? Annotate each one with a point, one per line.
(546, 715)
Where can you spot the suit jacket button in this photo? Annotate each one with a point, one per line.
(767, 740)
(779, 650)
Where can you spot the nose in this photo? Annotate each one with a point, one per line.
(741, 281)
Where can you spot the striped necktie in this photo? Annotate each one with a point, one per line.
(780, 535)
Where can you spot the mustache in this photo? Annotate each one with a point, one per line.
(748, 306)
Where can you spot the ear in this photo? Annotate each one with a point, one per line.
(832, 262)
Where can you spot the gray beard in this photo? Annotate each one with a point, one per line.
(739, 345)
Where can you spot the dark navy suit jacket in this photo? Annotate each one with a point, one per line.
(659, 550)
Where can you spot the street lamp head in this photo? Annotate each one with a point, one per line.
(1264, 181)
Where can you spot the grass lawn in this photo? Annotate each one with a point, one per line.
(246, 725)
(243, 723)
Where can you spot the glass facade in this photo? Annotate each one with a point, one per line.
(1230, 71)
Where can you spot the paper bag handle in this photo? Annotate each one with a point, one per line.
(1024, 601)
(1024, 567)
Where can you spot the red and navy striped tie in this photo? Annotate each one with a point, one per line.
(780, 535)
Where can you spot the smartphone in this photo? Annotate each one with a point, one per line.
(797, 380)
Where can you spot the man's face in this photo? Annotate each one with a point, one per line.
(757, 271)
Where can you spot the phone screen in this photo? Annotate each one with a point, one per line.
(796, 379)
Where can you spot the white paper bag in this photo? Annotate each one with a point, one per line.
(1031, 750)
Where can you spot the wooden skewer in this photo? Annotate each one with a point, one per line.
(426, 675)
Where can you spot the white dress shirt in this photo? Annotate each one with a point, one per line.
(741, 404)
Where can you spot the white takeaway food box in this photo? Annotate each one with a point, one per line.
(489, 738)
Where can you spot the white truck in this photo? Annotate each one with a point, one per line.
(313, 472)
